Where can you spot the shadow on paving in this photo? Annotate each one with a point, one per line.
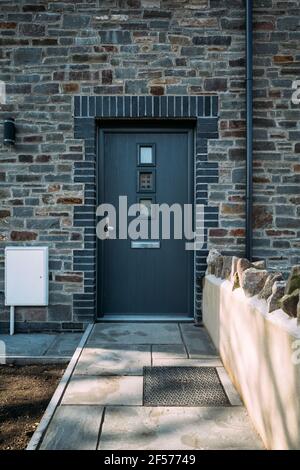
(107, 412)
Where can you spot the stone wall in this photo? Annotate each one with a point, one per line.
(53, 50)
(256, 280)
(276, 134)
(261, 353)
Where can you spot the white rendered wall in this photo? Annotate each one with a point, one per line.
(261, 353)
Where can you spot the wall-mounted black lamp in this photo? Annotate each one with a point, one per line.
(9, 131)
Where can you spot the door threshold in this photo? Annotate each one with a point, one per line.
(145, 318)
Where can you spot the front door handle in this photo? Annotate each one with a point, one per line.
(108, 228)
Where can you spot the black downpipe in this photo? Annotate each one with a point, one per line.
(249, 130)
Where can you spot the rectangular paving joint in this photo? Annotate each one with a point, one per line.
(111, 390)
(197, 341)
(204, 362)
(147, 428)
(73, 428)
(134, 333)
(116, 359)
(38, 348)
(183, 386)
(168, 351)
(115, 400)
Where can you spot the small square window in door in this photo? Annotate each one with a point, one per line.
(146, 154)
(146, 181)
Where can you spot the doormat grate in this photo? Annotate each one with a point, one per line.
(183, 386)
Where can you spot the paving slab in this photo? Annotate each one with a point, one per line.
(169, 351)
(64, 344)
(95, 390)
(135, 333)
(205, 362)
(197, 341)
(33, 344)
(118, 359)
(109, 375)
(223, 428)
(73, 428)
(229, 388)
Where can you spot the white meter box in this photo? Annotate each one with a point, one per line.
(26, 275)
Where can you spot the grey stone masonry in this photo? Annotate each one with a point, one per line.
(65, 62)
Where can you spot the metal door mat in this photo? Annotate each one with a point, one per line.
(183, 386)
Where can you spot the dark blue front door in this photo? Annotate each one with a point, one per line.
(153, 278)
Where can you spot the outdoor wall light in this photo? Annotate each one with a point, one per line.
(9, 131)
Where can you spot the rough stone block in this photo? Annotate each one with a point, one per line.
(212, 40)
(75, 21)
(211, 260)
(215, 84)
(262, 216)
(69, 200)
(238, 175)
(60, 312)
(233, 268)
(226, 271)
(46, 88)
(115, 37)
(68, 277)
(236, 282)
(289, 303)
(241, 266)
(253, 281)
(261, 264)
(273, 301)
(33, 313)
(4, 213)
(17, 236)
(149, 3)
(219, 266)
(267, 289)
(107, 77)
(136, 87)
(27, 55)
(43, 224)
(31, 29)
(293, 281)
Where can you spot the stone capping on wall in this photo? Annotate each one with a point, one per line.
(261, 353)
(255, 280)
(88, 112)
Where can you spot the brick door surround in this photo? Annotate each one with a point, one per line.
(88, 113)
